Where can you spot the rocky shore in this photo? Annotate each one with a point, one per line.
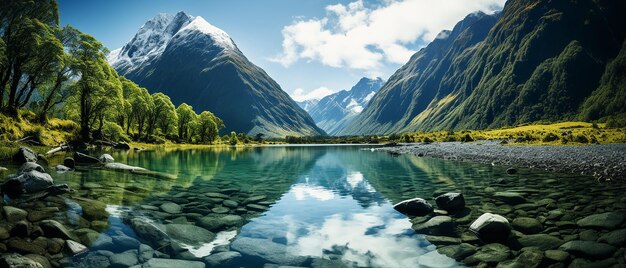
(604, 162)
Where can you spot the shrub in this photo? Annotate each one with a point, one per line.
(581, 139)
(467, 138)
(114, 132)
(550, 137)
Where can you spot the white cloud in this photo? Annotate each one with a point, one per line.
(363, 37)
(299, 94)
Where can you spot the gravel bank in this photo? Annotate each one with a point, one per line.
(604, 162)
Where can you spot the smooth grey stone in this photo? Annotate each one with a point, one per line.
(52, 228)
(125, 259)
(491, 228)
(25, 154)
(223, 259)
(171, 208)
(415, 207)
(527, 225)
(13, 214)
(267, 250)
(541, 241)
(450, 201)
(30, 166)
(106, 158)
(511, 198)
(172, 263)
(616, 238)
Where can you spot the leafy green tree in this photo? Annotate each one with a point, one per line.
(142, 106)
(233, 138)
(208, 127)
(98, 90)
(30, 49)
(54, 92)
(163, 115)
(186, 118)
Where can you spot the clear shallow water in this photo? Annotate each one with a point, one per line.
(318, 202)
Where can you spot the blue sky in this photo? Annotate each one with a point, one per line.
(310, 47)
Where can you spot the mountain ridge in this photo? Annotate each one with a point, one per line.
(199, 64)
(530, 62)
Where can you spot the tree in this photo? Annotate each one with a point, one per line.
(98, 89)
(53, 93)
(31, 49)
(233, 138)
(142, 106)
(209, 126)
(163, 115)
(186, 118)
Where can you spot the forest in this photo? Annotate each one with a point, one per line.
(52, 75)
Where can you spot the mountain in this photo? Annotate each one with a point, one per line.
(333, 112)
(307, 104)
(195, 62)
(534, 61)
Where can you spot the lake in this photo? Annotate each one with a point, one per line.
(320, 206)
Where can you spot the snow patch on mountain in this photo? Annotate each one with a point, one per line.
(156, 34)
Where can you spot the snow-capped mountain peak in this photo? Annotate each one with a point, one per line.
(156, 34)
(218, 36)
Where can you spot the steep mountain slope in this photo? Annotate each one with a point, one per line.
(307, 104)
(194, 62)
(536, 60)
(333, 112)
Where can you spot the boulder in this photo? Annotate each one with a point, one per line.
(14, 260)
(29, 166)
(589, 249)
(106, 158)
(25, 247)
(52, 228)
(25, 154)
(69, 162)
(81, 158)
(75, 248)
(491, 228)
(122, 146)
(223, 259)
(13, 214)
(607, 220)
(26, 183)
(527, 225)
(450, 201)
(43, 261)
(556, 255)
(150, 232)
(414, 207)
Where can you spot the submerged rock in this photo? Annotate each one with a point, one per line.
(14, 260)
(75, 248)
(223, 259)
(438, 225)
(62, 169)
(189, 234)
(616, 238)
(415, 207)
(527, 225)
(171, 208)
(491, 228)
(267, 250)
(540, 241)
(25, 154)
(172, 263)
(450, 201)
(607, 220)
(490, 253)
(511, 198)
(125, 259)
(589, 249)
(511, 171)
(458, 252)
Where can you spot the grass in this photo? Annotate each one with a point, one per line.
(577, 133)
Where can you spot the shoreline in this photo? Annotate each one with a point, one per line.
(605, 162)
